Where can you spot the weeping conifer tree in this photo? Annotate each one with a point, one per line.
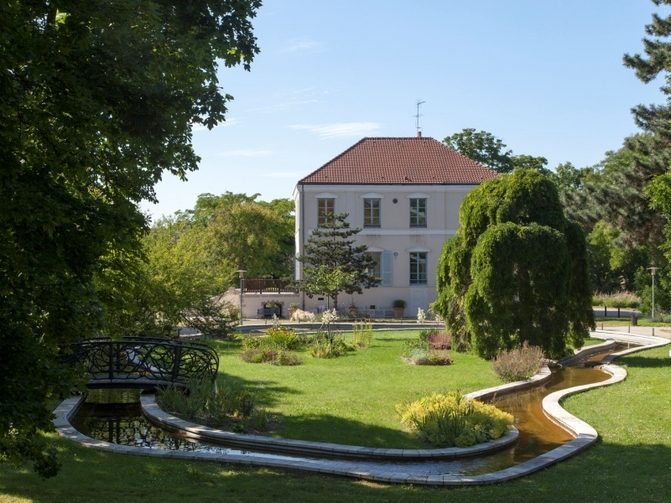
(516, 270)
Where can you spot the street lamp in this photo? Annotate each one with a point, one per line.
(241, 273)
(653, 270)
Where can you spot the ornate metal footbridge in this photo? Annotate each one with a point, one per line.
(143, 362)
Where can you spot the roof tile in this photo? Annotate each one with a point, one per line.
(402, 160)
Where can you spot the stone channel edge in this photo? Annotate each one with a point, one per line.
(585, 435)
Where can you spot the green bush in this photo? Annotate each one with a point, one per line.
(518, 364)
(329, 347)
(272, 349)
(454, 420)
(284, 338)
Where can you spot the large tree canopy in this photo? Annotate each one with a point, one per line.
(516, 271)
(97, 101)
(487, 149)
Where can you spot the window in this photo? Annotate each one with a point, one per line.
(376, 270)
(371, 213)
(325, 210)
(418, 212)
(418, 268)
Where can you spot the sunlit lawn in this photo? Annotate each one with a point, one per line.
(632, 461)
(351, 399)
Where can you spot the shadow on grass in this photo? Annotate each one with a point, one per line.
(602, 473)
(644, 361)
(266, 393)
(329, 428)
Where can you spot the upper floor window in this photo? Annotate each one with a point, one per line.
(371, 212)
(418, 212)
(325, 210)
(418, 268)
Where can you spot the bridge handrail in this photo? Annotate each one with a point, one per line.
(145, 361)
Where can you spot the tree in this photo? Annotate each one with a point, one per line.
(97, 101)
(254, 235)
(333, 264)
(516, 270)
(489, 150)
(653, 149)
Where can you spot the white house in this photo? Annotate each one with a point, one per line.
(404, 193)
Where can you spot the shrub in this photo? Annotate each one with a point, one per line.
(429, 349)
(286, 358)
(218, 407)
(363, 334)
(284, 338)
(616, 300)
(518, 364)
(454, 420)
(329, 347)
(436, 339)
(438, 357)
(259, 355)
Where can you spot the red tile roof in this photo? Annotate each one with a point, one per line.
(393, 161)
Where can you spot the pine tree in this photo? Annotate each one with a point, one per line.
(331, 247)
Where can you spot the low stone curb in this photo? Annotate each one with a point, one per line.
(383, 472)
(310, 448)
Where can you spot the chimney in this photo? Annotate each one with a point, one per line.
(419, 134)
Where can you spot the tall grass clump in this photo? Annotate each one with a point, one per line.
(518, 364)
(219, 407)
(362, 333)
(448, 420)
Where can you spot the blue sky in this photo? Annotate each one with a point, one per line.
(544, 76)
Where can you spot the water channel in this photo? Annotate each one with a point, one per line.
(116, 417)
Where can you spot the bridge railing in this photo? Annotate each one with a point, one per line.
(144, 361)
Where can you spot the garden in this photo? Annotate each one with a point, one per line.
(352, 399)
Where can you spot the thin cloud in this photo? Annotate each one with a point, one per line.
(298, 45)
(339, 129)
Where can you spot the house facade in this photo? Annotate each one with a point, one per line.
(404, 194)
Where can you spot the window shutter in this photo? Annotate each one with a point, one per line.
(387, 268)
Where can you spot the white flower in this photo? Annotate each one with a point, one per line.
(421, 315)
(329, 316)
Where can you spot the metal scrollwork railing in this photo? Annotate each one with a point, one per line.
(143, 361)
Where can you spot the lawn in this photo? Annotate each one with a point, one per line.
(632, 462)
(350, 399)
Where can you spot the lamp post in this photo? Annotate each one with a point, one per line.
(653, 270)
(241, 273)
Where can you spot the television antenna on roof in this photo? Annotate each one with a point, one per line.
(417, 116)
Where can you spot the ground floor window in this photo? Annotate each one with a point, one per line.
(418, 268)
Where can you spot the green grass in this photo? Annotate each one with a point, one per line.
(632, 462)
(351, 399)
(590, 341)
